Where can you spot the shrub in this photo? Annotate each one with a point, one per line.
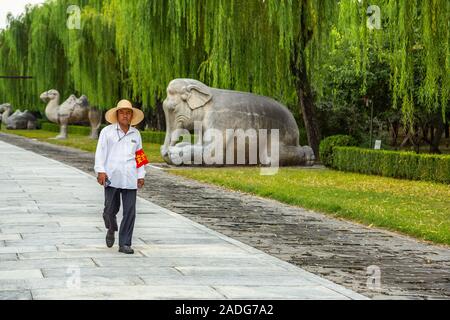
(53, 127)
(327, 145)
(47, 126)
(406, 165)
(153, 136)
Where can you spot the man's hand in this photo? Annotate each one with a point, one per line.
(140, 183)
(101, 178)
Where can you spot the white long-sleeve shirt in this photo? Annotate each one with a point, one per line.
(115, 155)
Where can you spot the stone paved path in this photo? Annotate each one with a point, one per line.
(337, 250)
(52, 247)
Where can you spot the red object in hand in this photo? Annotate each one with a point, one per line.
(141, 158)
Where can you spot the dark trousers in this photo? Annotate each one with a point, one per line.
(112, 206)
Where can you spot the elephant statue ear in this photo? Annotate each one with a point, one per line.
(198, 97)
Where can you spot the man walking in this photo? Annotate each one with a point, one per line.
(119, 171)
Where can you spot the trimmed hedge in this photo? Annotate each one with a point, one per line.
(406, 165)
(327, 145)
(53, 127)
(147, 136)
(47, 126)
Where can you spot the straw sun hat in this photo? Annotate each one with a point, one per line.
(111, 114)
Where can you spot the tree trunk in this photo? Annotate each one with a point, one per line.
(437, 131)
(426, 129)
(303, 86)
(415, 139)
(412, 136)
(308, 111)
(156, 119)
(394, 128)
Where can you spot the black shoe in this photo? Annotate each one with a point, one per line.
(126, 249)
(110, 239)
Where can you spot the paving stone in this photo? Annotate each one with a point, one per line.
(23, 249)
(279, 292)
(41, 263)
(130, 292)
(8, 257)
(51, 228)
(62, 235)
(59, 252)
(112, 271)
(20, 274)
(100, 253)
(13, 236)
(268, 271)
(117, 261)
(66, 282)
(15, 295)
(99, 241)
(227, 280)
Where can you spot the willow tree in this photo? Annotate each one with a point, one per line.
(81, 61)
(87, 51)
(47, 54)
(306, 38)
(94, 66)
(13, 60)
(267, 47)
(155, 43)
(414, 38)
(132, 49)
(32, 45)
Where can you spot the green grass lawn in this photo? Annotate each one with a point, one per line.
(416, 208)
(81, 142)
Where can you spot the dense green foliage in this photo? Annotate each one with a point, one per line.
(327, 145)
(395, 164)
(290, 50)
(414, 40)
(416, 208)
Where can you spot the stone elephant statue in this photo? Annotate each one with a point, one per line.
(192, 105)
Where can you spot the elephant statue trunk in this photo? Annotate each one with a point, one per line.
(167, 139)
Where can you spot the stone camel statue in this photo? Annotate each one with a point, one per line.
(73, 110)
(191, 103)
(17, 120)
